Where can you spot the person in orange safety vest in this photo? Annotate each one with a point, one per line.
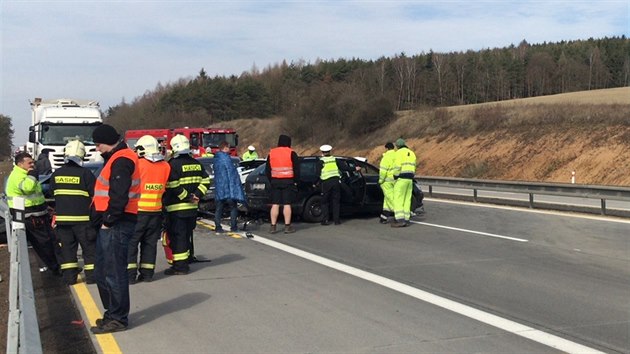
(282, 171)
(154, 173)
(116, 197)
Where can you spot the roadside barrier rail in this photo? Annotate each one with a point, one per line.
(23, 335)
(603, 193)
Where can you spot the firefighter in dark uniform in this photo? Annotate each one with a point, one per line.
(73, 188)
(330, 179)
(154, 172)
(188, 182)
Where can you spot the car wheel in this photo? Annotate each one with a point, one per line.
(313, 209)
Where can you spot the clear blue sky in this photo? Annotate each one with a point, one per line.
(110, 50)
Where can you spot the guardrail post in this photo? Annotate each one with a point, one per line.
(430, 191)
(603, 206)
(475, 195)
(531, 200)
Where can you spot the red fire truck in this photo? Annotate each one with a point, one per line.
(206, 138)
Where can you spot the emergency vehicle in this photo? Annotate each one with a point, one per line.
(201, 139)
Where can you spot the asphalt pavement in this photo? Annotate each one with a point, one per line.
(463, 278)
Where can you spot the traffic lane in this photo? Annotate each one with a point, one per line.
(595, 235)
(580, 295)
(254, 298)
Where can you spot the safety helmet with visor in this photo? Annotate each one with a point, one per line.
(180, 145)
(74, 151)
(148, 147)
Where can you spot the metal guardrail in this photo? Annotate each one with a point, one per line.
(603, 193)
(22, 327)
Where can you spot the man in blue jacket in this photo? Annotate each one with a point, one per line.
(227, 187)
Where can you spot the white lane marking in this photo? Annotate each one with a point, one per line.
(470, 231)
(464, 310)
(536, 211)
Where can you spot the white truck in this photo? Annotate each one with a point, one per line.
(55, 122)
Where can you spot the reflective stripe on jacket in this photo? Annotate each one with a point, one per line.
(386, 167)
(72, 186)
(20, 184)
(280, 162)
(405, 163)
(153, 179)
(329, 168)
(101, 188)
(187, 177)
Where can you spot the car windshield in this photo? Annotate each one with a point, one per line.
(52, 134)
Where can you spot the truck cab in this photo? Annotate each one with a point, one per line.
(55, 122)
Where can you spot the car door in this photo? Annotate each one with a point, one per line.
(353, 183)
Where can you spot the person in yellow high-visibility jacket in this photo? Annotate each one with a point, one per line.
(386, 181)
(404, 170)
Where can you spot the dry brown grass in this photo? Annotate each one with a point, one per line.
(533, 139)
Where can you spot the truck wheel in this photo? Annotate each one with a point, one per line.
(313, 209)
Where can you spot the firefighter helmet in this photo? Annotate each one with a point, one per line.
(148, 147)
(180, 145)
(74, 151)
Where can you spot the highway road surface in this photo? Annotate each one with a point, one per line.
(463, 278)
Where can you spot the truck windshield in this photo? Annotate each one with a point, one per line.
(52, 134)
(214, 139)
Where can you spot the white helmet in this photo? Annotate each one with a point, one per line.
(325, 148)
(251, 148)
(180, 145)
(74, 151)
(147, 146)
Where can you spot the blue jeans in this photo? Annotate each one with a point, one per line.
(219, 214)
(110, 270)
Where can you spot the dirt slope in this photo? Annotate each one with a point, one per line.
(598, 155)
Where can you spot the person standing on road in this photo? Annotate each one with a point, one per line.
(329, 171)
(250, 154)
(228, 188)
(187, 183)
(386, 181)
(404, 169)
(154, 172)
(23, 182)
(282, 171)
(116, 196)
(73, 188)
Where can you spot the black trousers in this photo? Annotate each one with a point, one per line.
(69, 238)
(39, 234)
(331, 194)
(144, 240)
(180, 231)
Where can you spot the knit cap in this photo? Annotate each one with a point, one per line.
(400, 142)
(105, 134)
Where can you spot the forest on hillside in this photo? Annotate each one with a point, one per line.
(361, 96)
